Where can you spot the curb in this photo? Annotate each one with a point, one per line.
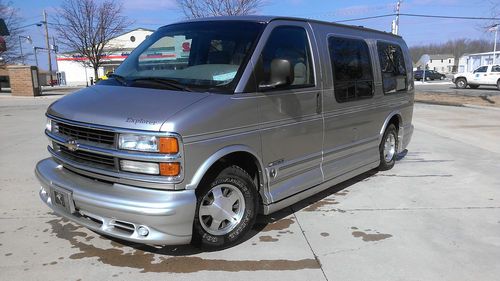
(443, 103)
(481, 107)
(440, 103)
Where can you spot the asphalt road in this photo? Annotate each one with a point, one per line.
(435, 216)
(447, 87)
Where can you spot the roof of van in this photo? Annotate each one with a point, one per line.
(267, 19)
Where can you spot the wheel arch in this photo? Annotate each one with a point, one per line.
(396, 119)
(393, 118)
(240, 155)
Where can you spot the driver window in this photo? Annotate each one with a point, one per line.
(481, 69)
(288, 43)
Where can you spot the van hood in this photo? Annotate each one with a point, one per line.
(123, 107)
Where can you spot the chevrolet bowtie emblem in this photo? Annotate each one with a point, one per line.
(72, 145)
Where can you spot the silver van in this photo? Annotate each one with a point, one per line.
(210, 122)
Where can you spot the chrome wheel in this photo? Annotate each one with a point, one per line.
(389, 147)
(461, 83)
(221, 209)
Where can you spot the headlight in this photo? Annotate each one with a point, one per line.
(48, 125)
(168, 145)
(138, 142)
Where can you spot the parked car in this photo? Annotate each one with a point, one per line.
(429, 75)
(175, 149)
(484, 75)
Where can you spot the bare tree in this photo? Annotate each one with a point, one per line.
(207, 8)
(13, 22)
(457, 48)
(86, 26)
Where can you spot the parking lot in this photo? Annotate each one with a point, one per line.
(435, 216)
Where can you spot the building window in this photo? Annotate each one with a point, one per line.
(352, 69)
(392, 63)
(430, 61)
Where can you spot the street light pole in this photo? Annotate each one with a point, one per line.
(36, 57)
(48, 44)
(21, 48)
(21, 45)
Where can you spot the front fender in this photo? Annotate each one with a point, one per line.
(203, 168)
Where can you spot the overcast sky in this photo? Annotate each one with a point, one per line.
(154, 13)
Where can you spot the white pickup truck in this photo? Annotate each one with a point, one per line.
(484, 75)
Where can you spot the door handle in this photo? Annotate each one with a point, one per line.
(318, 103)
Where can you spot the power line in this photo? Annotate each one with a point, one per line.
(420, 16)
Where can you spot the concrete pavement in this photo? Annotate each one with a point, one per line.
(435, 216)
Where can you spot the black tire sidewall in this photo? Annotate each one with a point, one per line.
(384, 165)
(458, 81)
(238, 178)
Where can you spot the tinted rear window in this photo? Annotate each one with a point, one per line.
(351, 67)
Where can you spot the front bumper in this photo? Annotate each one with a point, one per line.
(119, 210)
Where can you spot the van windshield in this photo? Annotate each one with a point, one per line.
(209, 55)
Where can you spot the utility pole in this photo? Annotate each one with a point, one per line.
(395, 23)
(495, 43)
(47, 43)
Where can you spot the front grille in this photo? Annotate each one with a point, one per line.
(86, 134)
(88, 158)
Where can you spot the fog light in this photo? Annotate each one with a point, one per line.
(140, 167)
(142, 231)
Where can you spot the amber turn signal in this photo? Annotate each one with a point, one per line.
(170, 169)
(169, 145)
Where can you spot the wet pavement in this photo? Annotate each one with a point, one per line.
(435, 216)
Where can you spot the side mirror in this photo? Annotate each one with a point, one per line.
(281, 74)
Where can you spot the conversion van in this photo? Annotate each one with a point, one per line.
(210, 122)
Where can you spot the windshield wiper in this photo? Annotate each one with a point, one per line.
(164, 81)
(119, 78)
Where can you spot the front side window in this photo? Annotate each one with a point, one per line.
(495, 68)
(207, 55)
(392, 63)
(352, 69)
(481, 69)
(287, 43)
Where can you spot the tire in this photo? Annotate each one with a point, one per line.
(461, 83)
(388, 148)
(474, 86)
(218, 227)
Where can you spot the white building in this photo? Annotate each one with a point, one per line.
(469, 62)
(72, 72)
(440, 63)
